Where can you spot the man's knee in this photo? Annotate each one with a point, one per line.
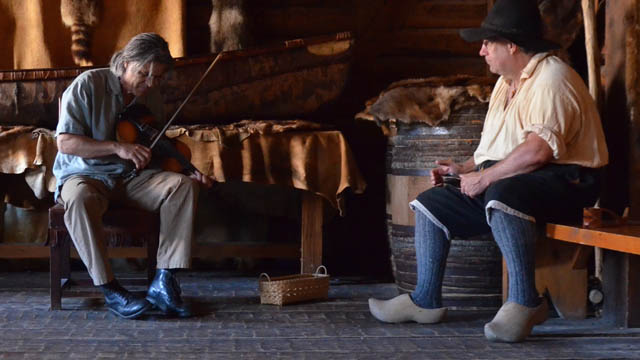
(82, 195)
(501, 188)
(184, 185)
(436, 197)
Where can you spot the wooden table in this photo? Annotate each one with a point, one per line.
(317, 163)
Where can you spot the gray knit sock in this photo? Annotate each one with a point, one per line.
(432, 249)
(516, 238)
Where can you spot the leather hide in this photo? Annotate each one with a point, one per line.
(33, 34)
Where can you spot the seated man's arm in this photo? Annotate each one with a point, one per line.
(532, 154)
(87, 147)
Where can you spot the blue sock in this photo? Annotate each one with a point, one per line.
(516, 238)
(432, 249)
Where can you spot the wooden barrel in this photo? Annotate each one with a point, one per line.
(473, 272)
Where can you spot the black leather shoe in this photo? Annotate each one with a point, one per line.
(123, 303)
(164, 293)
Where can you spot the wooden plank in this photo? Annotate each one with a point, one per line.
(246, 250)
(631, 67)
(392, 68)
(625, 238)
(290, 3)
(447, 14)
(55, 264)
(311, 234)
(294, 22)
(9, 251)
(401, 191)
(209, 251)
(429, 42)
(618, 190)
(197, 29)
(621, 288)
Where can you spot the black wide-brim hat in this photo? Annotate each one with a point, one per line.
(515, 20)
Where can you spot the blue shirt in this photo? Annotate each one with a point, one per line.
(90, 107)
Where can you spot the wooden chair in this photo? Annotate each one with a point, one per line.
(124, 228)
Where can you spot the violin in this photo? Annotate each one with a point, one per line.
(134, 125)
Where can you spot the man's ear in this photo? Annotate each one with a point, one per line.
(512, 48)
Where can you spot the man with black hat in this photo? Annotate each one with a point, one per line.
(538, 160)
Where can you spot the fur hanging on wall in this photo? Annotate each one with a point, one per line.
(228, 25)
(80, 16)
(562, 20)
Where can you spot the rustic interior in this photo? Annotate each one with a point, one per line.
(389, 41)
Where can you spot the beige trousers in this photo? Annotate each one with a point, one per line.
(171, 194)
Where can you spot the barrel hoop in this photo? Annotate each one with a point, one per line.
(410, 172)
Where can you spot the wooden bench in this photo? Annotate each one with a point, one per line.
(621, 267)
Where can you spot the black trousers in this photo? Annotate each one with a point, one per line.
(553, 193)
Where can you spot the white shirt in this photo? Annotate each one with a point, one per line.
(553, 102)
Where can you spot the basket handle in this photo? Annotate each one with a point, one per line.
(265, 275)
(318, 270)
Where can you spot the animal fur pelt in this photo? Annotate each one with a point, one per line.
(228, 25)
(562, 20)
(80, 16)
(428, 101)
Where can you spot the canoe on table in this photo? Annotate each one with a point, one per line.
(291, 79)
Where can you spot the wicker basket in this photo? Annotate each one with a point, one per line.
(290, 289)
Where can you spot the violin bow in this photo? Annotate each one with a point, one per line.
(175, 114)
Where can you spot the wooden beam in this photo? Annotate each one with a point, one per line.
(8, 251)
(208, 251)
(312, 218)
(621, 288)
(246, 250)
(593, 49)
(625, 238)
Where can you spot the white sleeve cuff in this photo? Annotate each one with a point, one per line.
(555, 141)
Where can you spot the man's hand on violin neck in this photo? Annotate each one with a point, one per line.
(139, 154)
(205, 180)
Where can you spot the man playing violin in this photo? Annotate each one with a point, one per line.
(92, 171)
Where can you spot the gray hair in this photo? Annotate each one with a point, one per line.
(142, 49)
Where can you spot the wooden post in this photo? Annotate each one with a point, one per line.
(593, 50)
(620, 107)
(311, 234)
(621, 287)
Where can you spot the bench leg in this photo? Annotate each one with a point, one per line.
(152, 257)
(55, 269)
(621, 287)
(65, 260)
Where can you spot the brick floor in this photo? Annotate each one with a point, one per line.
(231, 324)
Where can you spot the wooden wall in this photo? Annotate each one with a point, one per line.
(395, 39)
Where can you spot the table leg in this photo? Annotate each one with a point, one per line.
(621, 287)
(311, 234)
